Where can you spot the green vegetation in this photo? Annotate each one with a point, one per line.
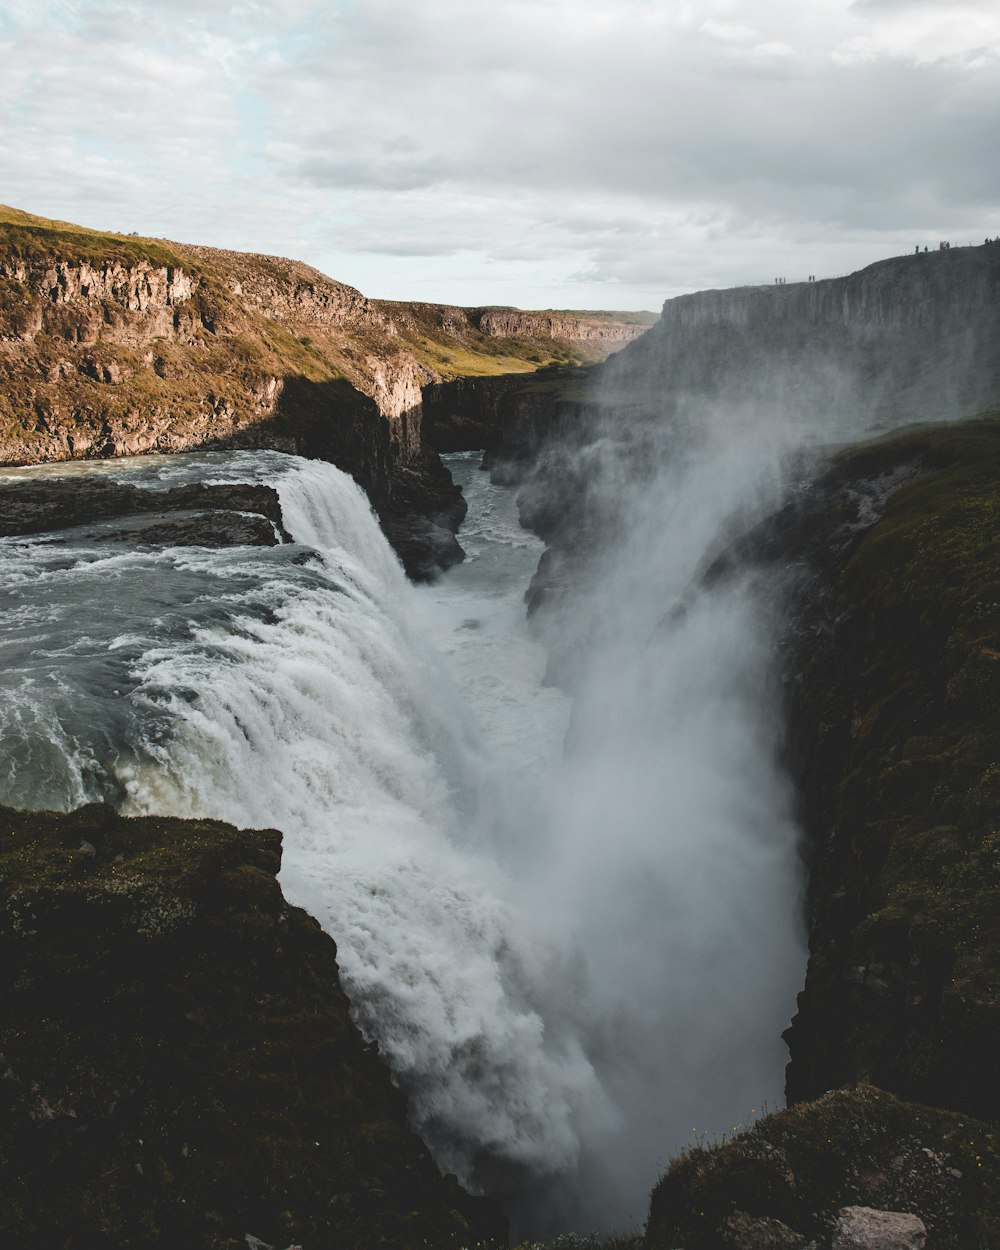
(27, 237)
(179, 1063)
(584, 1241)
(478, 355)
(906, 703)
(856, 1147)
(448, 341)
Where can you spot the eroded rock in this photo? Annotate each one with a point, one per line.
(863, 1228)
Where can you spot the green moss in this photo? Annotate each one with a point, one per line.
(179, 1066)
(858, 1147)
(904, 707)
(27, 237)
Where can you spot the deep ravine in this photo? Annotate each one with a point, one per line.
(572, 958)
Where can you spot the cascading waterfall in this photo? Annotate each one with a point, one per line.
(570, 959)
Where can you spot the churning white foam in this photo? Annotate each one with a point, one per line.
(334, 722)
(570, 958)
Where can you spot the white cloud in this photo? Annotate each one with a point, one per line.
(544, 149)
(964, 35)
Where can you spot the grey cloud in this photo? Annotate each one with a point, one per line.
(609, 147)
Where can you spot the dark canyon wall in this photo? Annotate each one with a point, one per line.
(179, 1065)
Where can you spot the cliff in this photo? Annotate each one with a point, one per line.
(912, 337)
(115, 345)
(891, 652)
(179, 1066)
(452, 342)
(893, 741)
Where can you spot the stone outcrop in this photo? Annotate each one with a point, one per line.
(909, 338)
(113, 345)
(178, 1065)
(825, 1175)
(862, 1228)
(219, 514)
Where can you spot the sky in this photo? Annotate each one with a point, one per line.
(542, 153)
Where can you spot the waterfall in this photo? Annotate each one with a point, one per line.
(570, 960)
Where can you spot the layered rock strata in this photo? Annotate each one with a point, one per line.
(114, 345)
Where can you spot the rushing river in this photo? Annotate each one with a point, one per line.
(571, 958)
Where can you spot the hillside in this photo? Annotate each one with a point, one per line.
(117, 345)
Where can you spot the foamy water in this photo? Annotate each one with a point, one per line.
(570, 958)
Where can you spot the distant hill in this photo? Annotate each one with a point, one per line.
(112, 344)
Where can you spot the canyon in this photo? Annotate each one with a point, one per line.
(875, 543)
(113, 345)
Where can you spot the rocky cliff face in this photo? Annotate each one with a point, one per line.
(893, 738)
(893, 729)
(113, 345)
(453, 342)
(179, 1065)
(598, 329)
(908, 338)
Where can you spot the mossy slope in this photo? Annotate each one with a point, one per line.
(855, 1147)
(895, 742)
(179, 1067)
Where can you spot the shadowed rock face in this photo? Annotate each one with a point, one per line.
(179, 1066)
(894, 732)
(228, 514)
(798, 1177)
(911, 338)
(893, 739)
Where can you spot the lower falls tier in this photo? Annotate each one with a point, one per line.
(563, 953)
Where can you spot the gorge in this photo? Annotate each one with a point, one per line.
(561, 861)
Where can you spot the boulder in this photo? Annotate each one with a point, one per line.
(863, 1228)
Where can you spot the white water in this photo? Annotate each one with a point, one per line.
(572, 960)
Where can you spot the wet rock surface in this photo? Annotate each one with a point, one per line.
(861, 1228)
(214, 516)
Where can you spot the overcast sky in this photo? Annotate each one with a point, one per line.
(545, 153)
